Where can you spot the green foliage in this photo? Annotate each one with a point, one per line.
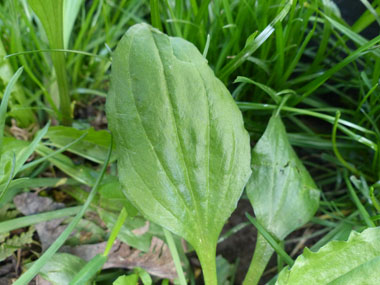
(354, 261)
(133, 279)
(50, 13)
(8, 245)
(93, 146)
(185, 146)
(281, 191)
(61, 268)
(4, 103)
(300, 57)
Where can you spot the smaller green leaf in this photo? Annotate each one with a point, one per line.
(355, 261)
(224, 270)
(113, 198)
(132, 279)
(282, 192)
(62, 268)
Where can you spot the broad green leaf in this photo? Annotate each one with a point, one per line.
(281, 191)
(62, 268)
(93, 147)
(183, 152)
(355, 261)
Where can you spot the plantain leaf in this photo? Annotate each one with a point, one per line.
(355, 261)
(183, 152)
(282, 192)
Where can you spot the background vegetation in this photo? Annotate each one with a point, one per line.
(300, 55)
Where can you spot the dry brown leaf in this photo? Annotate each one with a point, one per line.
(157, 261)
(29, 204)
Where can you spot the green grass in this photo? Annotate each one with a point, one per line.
(298, 54)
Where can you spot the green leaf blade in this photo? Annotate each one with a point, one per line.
(282, 192)
(185, 146)
(338, 262)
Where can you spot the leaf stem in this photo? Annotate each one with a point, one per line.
(260, 259)
(206, 257)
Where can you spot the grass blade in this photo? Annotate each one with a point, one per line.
(58, 151)
(312, 86)
(253, 44)
(17, 223)
(4, 103)
(175, 256)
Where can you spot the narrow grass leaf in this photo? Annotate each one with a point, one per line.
(175, 256)
(87, 272)
(4, 103)
(21, 222)
(42, 159)
(312, 86)
(253, 44)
